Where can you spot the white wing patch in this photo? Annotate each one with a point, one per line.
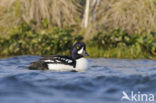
(56, 57)
(70, 61)
(58, 61)
(63, 59)
(48, 61)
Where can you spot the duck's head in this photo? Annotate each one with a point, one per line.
(78, 50)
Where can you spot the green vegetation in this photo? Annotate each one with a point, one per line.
(24, 40)
(116, 28)
(116, 43)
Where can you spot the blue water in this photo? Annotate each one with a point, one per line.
(103, 82)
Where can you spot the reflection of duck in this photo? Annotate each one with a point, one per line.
(75, 62)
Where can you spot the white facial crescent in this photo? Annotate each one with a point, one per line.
(81, 51)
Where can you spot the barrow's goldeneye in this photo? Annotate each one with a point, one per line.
(74, 62)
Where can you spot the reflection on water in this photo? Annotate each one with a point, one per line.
(103, 82)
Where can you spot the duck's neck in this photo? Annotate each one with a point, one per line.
(74, 55)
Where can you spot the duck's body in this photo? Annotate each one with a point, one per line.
(75, 62)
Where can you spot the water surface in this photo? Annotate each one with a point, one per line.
(103, 82)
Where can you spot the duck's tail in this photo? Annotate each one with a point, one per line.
(37, 66)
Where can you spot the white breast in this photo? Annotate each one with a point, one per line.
(81, 65)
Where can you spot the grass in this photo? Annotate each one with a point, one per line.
(122, 53)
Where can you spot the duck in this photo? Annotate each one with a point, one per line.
(75, 62)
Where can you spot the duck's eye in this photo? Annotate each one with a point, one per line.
(77, 47)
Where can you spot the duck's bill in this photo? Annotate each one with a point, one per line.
(85, 53)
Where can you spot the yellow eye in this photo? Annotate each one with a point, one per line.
(77, 47)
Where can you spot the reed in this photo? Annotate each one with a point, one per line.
(60, 13)
(132, 16)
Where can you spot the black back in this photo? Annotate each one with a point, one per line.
(42, 64)
(58, 59)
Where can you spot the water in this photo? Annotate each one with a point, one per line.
(103, 82)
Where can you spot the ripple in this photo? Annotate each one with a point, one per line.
(104, 80)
